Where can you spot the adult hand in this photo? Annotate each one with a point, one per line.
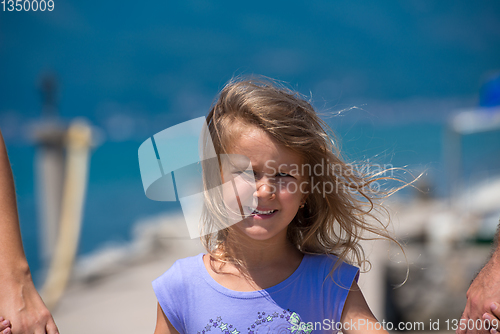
(493, 319)
(5, 326)
(484, 290)
(21, 304)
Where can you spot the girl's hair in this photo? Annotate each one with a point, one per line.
(333, 221)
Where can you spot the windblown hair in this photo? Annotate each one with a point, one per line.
(330, 223)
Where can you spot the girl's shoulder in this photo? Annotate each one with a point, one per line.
(329, 265)
(172, 286)
(182, 268)
(187, 265)
(326, 260)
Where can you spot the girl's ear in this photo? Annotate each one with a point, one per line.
(303, 200)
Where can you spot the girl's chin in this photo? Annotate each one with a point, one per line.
(256, 232)
(259, 236)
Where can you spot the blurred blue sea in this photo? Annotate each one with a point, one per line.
(134, 69)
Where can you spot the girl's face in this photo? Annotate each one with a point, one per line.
(276, 186)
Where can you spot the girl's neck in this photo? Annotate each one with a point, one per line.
(259, 265)
(263, 257)
(258, 255)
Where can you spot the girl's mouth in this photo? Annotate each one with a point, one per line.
(258, 212)
(261, 213)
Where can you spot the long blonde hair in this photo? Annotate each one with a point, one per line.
(330, 223)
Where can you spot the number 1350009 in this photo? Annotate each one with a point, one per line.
(27, 5)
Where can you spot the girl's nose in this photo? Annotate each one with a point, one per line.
(265, 191)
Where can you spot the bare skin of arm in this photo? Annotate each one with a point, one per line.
(484, 290)
(19, 301)
(357, 312)
(163, 326)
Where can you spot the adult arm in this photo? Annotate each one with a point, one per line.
(19, 301)
(484, 290)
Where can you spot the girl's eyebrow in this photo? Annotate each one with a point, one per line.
(238, 161)
(295, 168)
(291, 172)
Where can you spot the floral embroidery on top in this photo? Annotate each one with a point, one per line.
(277, 322)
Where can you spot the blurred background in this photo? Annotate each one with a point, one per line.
(409, 83)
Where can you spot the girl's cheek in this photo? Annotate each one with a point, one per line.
(238, 197)
(245, 189)
(288, 187)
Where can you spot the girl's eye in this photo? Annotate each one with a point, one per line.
(283, 175)
(244, 172)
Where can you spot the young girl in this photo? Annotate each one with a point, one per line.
(284, 267)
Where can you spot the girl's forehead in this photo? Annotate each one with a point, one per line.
(252, 139)
(261, 148)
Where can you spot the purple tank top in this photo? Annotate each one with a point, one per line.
(309, 301)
